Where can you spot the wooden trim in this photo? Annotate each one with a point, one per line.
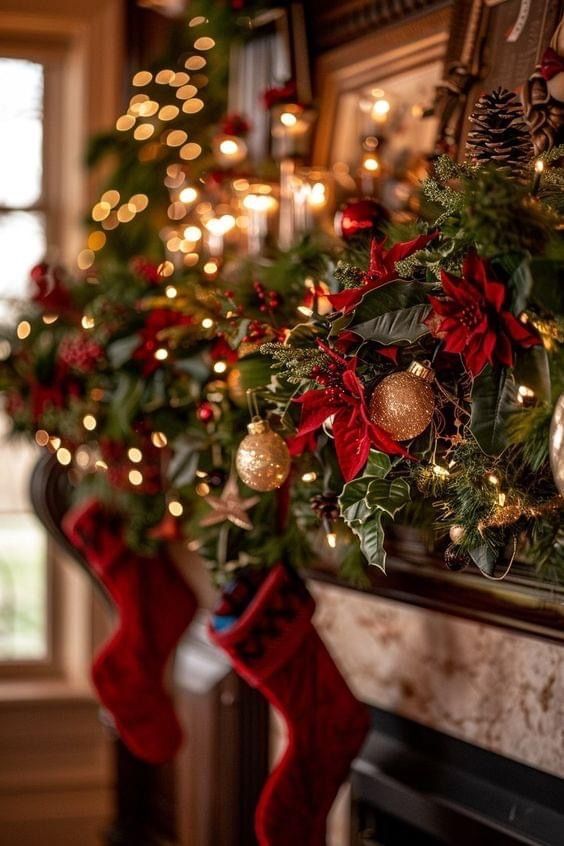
(372, 58)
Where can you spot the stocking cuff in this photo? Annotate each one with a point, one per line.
(94, 531)
(271, 628)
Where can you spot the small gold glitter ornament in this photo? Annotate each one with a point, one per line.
(235, 389)
(263, 460)
(403, 403)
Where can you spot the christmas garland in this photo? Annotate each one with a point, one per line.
(420, 391)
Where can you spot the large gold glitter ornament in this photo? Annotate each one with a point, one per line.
(403, 403)
(556, 444)
(263, 460)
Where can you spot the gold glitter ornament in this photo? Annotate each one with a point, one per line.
(262, 460)
(235, 389)
(456, 534)
(403, 403)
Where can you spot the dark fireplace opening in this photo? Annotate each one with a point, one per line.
(414, 786)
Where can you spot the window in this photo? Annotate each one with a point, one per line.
(23, 544)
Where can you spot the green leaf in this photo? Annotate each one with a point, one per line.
(371, 537)
(255, 371)
(354, 509)
(120, 351)
(405, 325)
(183, 463)
(379, 464)
(124, 404)
(390, 298)
(388, 496)
(194, 366)
(484, 558)
(532, 370)
(520, 285)
(494, 399)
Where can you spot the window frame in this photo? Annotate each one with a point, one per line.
(83, 76)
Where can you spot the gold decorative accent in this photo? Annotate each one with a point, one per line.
(263, 460)
(403, 403)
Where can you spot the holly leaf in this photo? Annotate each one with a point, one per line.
(371, 536)
(354, 509)
(390, 298)
(124, 404)
(494, 399)
(389, 497)
(378, 464)
(352, 501)
(405, 325)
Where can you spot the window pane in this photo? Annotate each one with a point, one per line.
(21, 132)
(23, 600)
(22, 244)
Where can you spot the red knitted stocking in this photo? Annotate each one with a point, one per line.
(155, 606)
(275, 647)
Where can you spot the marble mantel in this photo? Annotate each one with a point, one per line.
(501, 691)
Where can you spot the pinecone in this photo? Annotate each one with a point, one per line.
(500, 134)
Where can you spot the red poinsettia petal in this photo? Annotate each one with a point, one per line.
(405, 249)
(495, 293)
(456, 339)
(348, 299)
(317, 406)
(385, 443)
(389, 352)
(460, 290)
(474, 358)
(352, 442)
(443, 307)
(518, 331)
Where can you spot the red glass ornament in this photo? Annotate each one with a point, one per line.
(205, 412)
(361, 217)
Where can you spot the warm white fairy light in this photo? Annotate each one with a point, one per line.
(175, 507)
(207, 323)
(161, 354)
(188, 195)
(135, 477)
(89, 422)
(159, 439)
(134, 454)
(331, 538)
(220, 367)
(309, 477)
(64, 456)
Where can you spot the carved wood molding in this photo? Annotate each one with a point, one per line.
(337, 24)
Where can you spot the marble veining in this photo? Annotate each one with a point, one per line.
(498, 690)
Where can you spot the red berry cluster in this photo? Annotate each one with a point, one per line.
(330, 375)
(268, 300)
(80, 353)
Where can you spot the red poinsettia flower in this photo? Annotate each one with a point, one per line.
(48, 288)
(235, 124)
(475, 321)
(381, 269)
(154, 336)
(344, 401)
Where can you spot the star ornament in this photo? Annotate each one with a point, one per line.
(230, 506)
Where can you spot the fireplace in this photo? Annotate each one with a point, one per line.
(415, 785)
